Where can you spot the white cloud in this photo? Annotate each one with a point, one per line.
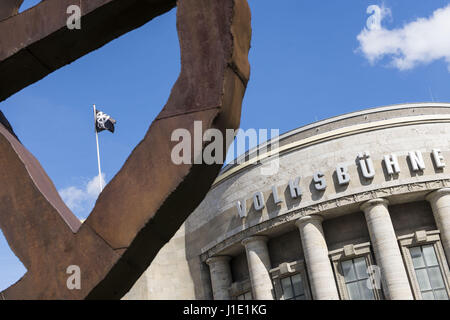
(416, 43)
(82, 199)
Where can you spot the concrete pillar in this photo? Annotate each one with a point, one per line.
(440, 203)
(219, 268)
(387, 252)
(259, 265)
(315, 250)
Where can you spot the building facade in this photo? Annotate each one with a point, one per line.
(352, 207)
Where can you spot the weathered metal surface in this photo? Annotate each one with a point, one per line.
(9, 8)
(146, 202)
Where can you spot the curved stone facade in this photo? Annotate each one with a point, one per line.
(366, 191)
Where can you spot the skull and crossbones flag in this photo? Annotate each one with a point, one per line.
(104, 122)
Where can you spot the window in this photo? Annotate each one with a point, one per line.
(241, 290)
(292, 287)
(428, 273)
(426, 265)
(245, 296)
(357, 279)
(290, 281)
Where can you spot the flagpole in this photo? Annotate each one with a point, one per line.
(98, 150)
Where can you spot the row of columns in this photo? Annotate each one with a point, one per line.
(320, 271)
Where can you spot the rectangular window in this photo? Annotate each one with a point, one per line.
(356, 279)
(293, 288)
(357, 276)
(428, 273)
(290, 281)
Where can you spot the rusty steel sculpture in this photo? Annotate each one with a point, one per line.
(150, 197)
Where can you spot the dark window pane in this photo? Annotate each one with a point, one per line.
(416, 255)
(436, 278)
(298, 285)
(361, 268)
(353, 291)
(430, 256)
(422, 278)
(287, 288)
(348, 270)
(366, 293)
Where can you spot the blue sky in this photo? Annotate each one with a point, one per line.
(307, 64)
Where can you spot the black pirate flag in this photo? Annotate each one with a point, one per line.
(104, 122)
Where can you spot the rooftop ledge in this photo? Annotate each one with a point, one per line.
(370, 115)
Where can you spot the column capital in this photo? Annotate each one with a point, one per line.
(374, 202)
(437, 193)
(308, 219)
(253, 239)
(215, 259)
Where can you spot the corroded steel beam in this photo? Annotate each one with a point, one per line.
(9, 8)
(150, 197)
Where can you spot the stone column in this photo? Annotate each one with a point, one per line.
(315, 250)
(219, 268)
(259, 265)
(440, 203)
(387, 252)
